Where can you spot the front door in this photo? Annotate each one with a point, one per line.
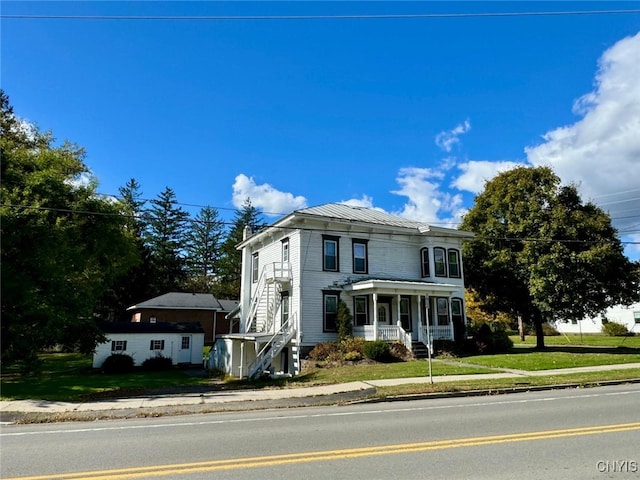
(384, 317)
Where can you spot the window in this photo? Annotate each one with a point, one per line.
(285, 250)
(405, 313)
(456, 311)
(360, 316)
(254, 267)
(360, 262)
(439, 262)
(118, 345)
(153, 319)
(186, 343)
(454, 263)
(284, 307)
(330, 258)
(424, 261)
(636, 317)
(330, 311)
(156, 345)
(442, 311)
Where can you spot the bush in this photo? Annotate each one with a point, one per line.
(353, 356)
(157, 364)
(487, 341)
(614, 329)
(327, 351)
(344, 321)
(118, 363)
(399, 352)
(351, 344)
(377, 350)
(549, 330)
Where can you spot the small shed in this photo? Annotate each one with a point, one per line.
(182, 342)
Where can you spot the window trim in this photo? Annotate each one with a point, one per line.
(442, 251)
(446, 312)
(335, 240)
(358, 315)
(325, 295)
(364, 243)
(154, 344)
(255, 267)
(285, 307)
(456, 252)
(187, 342)
(286, 252)
(425, 262)
(116, 344)
(407, 299)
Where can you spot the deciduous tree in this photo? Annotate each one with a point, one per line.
(541, 253)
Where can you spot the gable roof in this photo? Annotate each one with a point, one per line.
(144, 327)
(181, 301)
(351, 215)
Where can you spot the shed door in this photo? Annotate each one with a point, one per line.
(185, 350)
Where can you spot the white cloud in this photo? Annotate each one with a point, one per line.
(422, 186)
(476, 173)
(366, 201)
(448, 138)
(600, 153)
(272, 202)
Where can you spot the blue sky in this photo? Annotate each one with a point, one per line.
(410, 114)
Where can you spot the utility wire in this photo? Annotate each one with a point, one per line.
(317, 17)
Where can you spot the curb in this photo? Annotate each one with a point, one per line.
(498, 391)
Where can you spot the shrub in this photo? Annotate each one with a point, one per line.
(487, 341)
(353, 356)
(400, 352)
(118, 363)
(351, 344)
(377, 350)
(327, 351)
(157, 364)
(549, 330)
(614, 329)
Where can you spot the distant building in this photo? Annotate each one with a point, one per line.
(625, 315)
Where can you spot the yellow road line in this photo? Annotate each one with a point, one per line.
(291, 458)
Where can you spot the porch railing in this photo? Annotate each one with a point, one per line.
(438, 332)
(388, 333)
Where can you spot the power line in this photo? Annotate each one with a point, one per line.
(318, 17)
(312, 229)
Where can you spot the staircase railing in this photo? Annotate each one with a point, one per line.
(272, 348)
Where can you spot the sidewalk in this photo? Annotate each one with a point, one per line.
(229, 398)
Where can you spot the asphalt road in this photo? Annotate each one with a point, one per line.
(566, 434)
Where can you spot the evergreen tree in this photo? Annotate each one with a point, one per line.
(203, 245)
(230, 268)
(165, 238)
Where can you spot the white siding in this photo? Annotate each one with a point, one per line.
(619, 314)
(138, 347)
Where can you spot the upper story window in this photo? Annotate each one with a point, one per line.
(330, 311)
(330, 254)
(424, 262)
(285, 250)
(360, 258)
(360, 310)
(255, 268)
(440, 262)
(453, 257)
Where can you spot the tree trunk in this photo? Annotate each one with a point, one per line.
(539, 333)
(521, 328)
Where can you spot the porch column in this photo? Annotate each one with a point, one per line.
(398, 322)
(375, 316)
(450, 314)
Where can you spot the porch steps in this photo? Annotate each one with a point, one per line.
(419, 349)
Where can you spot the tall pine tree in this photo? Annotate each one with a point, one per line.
(203, 247)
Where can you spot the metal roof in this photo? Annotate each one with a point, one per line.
(341, 211)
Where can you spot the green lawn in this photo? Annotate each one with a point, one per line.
(591, 339)
(69, 377)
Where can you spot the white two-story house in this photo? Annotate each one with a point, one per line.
(401, 280)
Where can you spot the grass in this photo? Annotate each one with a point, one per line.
(69, 377)
(590, 339)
